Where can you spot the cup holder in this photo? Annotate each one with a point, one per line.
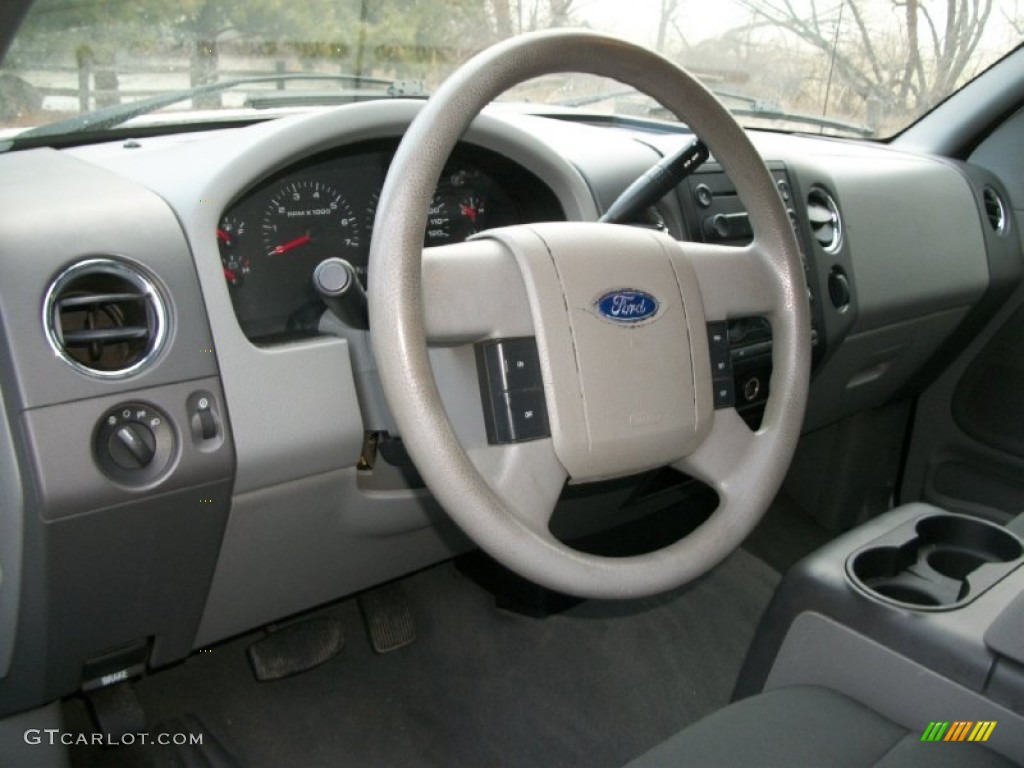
(988, 542)
(905, 593)
(953, 563)
(936, 562)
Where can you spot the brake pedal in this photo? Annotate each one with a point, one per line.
(116, 710)
(201, 748)
(296, 648)
(389, 621)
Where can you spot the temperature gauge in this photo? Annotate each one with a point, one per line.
(236, 266)
(472, 215)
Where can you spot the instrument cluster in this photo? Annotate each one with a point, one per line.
(272, 239)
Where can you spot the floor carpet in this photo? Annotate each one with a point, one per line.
(595, 686)
(785, 535)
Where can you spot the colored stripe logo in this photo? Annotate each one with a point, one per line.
(958, 730)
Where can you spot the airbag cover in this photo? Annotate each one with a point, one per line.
(620, 330)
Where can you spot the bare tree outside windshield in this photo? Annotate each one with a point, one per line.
(858, 67)
(890, 62)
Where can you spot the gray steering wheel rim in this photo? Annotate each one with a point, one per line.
(399, 336)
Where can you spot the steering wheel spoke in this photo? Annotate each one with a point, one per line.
(727, 449)
(473, 291)
(528, 475)
(734, 281)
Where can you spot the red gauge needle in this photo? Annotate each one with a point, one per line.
(468, 211)
(222, 235)
(285, 247)
(229, 274)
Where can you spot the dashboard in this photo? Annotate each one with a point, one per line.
(268, 456)
(274, 236)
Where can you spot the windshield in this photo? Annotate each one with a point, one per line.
(848, 67)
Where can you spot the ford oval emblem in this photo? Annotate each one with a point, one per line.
(627, 306)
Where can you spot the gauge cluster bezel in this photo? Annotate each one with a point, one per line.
(275, 234)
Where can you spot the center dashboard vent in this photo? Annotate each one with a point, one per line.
(995, 210)
(826, 224)
(105, 318)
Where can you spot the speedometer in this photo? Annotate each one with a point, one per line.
(439, 223)
(309, 220)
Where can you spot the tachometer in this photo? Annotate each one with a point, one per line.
(309, 220)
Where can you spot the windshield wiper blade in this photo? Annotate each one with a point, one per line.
(802, 117)
(109, 117)
(755, 108)
(770, 111)
(273, 99)
(594, 98)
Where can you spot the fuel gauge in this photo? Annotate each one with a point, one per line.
(236, 265)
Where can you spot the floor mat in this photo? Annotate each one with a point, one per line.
(595, 686)
(785, 534)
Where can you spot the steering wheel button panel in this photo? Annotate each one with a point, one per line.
(511, 389)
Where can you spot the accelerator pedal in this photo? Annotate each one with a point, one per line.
(389, 621)
(296, 648)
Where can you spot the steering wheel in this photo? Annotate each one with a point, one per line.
(621, 397)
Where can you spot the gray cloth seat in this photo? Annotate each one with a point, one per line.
(813, 727)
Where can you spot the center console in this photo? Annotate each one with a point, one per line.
(918, 614)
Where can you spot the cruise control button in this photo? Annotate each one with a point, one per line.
(718, 347)
(512, 364)
(520, 367)
(724, 392)
(527, 414)
(718, 337)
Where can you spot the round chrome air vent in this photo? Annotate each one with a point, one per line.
(105, 318)
(995, 210)
(826, 224)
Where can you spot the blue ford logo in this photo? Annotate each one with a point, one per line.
(626, 306)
